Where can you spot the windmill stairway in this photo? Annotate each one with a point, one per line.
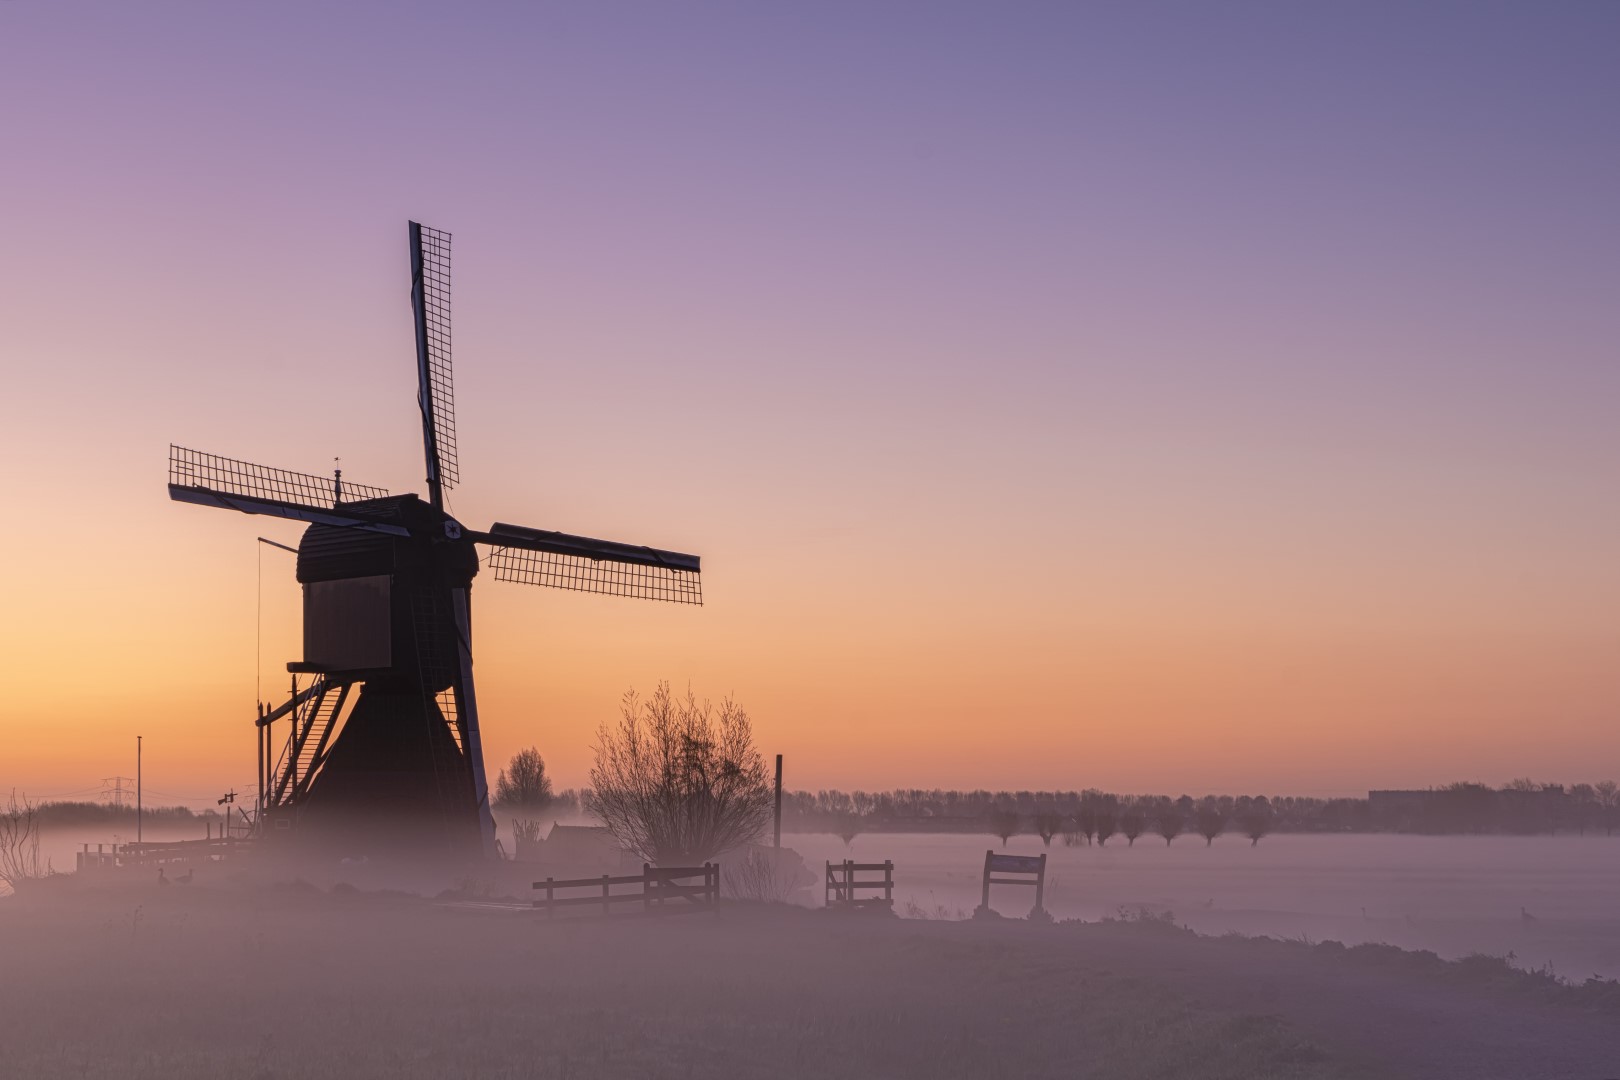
(315, 722)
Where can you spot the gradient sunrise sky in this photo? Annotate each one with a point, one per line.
(1153, 397)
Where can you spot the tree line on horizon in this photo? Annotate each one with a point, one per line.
(1523, 807)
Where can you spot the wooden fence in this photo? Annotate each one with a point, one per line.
(843, 888)
(659, 886)
(151, 855)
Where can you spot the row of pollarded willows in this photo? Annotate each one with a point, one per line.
(1520, 807)
(1101, 818)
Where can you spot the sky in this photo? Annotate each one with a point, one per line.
(1151, 397)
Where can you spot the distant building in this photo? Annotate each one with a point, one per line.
(585, 847)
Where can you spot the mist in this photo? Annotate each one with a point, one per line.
(1151, 960)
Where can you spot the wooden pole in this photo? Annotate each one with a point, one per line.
(778, 841)
(985, 899)
(293, 745)
(139, 806)
(888, 882)
(1040, 885)
(258, 738)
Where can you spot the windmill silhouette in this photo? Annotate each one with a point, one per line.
(383, 748)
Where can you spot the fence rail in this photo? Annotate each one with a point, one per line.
(151, 854)
(843, 888)
(659, 885)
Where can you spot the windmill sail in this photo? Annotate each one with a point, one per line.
(212, 480)
(563, 561)
(435, 390)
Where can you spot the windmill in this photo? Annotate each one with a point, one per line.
(383, 748)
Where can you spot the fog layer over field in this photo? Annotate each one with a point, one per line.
(239, 975)
(1455, 895)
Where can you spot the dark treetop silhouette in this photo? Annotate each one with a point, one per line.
(384, 747)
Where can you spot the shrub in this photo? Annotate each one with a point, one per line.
(677, 783)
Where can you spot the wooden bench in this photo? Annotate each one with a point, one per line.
(1026, 870)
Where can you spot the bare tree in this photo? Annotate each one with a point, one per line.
(847, 828)
(1004, 823)
(1608, 796)
(1169, 821)
(1107, 820)
(1085, 820)
(1209, 821)
(1131, 823)
(1047, 825)
(19, 844)
(678, 783)
(766, 875)
(1256, 820)
(524, 783)
(1584, 806)
(525, 838)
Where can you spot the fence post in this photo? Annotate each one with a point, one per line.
(888, 882)
(985, 899)
(849, 880)
(826, 886)
(605, 909)
(1040, 885)
(551, 909)
(646, 889)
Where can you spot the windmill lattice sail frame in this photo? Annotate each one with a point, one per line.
(230, 476)
(433, 249)
(580, 574)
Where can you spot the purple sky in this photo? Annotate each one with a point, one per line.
(1125, 365)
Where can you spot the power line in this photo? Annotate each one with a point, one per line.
(63, 794)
